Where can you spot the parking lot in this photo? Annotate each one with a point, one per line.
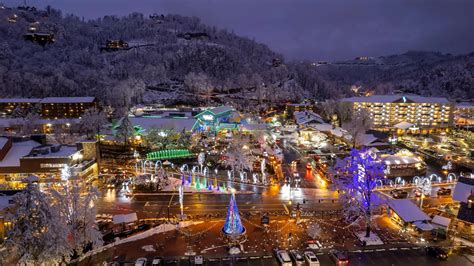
(401, 256)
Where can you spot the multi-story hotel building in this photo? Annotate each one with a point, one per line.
(395, 111)
(51, 107)
(66, 107)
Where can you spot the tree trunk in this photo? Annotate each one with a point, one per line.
(367, 230)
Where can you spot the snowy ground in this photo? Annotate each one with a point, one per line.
(370, 241)
(153, 231)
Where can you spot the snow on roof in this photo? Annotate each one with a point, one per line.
(68, 100)
(440, 220)
(5, 201)
(407, 210)
(177, 124)
(403, 125)
(305, 117)
(396, 98)
(251, 127)
(399, 159)
(17, 151)
(124, 218)
(221, 109)
(462, 191)
(20, 100)
(64, 151)
(323, 127)
(9, 122)
(338, 132)
(465, 105)
(3, 141)
(424, 226)
(366, 139)
(299, 104)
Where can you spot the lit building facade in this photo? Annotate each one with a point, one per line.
(21, 158)
(425, 113)
(66, 107)
(51, 107)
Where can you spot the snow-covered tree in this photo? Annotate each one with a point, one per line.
(38, 232)
(199, 84)
(358, 126)
(125, 129)
(238, 156)
(30, 124)
(92, 120)
(75, 202)
(314, 230)
(355, 178)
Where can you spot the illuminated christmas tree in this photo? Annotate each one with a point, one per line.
(233, 224)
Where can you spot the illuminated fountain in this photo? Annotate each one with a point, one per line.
(184, 168)
(255, 178)
(201, 159)
(205, 171)
(451, 177)
(158, 164)
(243, 176)
(399, 181)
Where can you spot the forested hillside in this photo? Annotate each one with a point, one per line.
(168, 56)
(176, 59)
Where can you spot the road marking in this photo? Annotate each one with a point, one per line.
(380, 249)
(405, 248)
(393, 249)
(369, 250)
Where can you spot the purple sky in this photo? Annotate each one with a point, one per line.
(313, 29)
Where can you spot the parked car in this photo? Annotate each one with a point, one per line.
(437, 252)
(140, 262)
(418, 193)
(398, 194)
(310, 258)
(298, 259)
(314, 244)
(156, 261)
(198, 260)
(339, 257)
(283, 258)
(444, 191)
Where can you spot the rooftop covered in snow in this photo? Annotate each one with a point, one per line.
(68, 100)
(176, 124)
(407, 210)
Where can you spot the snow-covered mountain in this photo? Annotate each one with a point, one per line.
(425, 73)
(176, 59)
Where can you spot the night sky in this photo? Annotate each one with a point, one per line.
(313, 29)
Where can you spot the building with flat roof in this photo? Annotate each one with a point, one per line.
(50, 107)
(66, 107)
(425, 113)
(22, 158)
(291, 108)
